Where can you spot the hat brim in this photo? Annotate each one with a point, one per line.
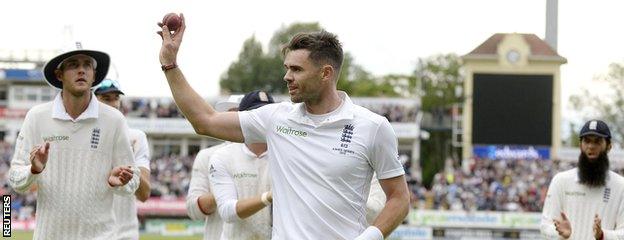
(108, 90)
(102, 59)
(593, 133)
(225, 106)
(255, 106)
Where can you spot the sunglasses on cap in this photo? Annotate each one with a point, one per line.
(108, 85)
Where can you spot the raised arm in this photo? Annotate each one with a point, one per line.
(203, 117)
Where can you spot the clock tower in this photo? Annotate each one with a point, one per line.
(512, 105)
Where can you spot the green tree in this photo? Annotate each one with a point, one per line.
(285, 33)
(439, 80)
(606, 104)
(574, 136)
(241, 75)
(255, 69)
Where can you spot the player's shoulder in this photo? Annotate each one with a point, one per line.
(205, 153)
(108, 113)
(281, 107)
(365, 117)
(565, 176)
(227, 149)
(617, 179)
(364, 114)
(136, 133)
(225, 155)
(41, 110)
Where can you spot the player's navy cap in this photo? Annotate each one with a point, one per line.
(596, 128)
(255, 99)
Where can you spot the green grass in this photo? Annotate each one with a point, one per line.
(20, 235)
(160, 237)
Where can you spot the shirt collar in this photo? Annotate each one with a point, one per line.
(299, 113)
(59, 112)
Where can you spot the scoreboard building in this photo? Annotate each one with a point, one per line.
(512, 105)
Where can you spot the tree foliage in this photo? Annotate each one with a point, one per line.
(255, 69)
(285, 33)
(606, 104)
(441, 81)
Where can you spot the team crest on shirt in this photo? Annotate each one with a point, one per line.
(212, 170)
(345, 140)
(95, 138)
(606, 195)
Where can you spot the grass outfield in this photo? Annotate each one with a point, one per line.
(28, 235)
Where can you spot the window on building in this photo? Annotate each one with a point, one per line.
(18, 93)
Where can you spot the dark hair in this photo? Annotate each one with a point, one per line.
(324, 47)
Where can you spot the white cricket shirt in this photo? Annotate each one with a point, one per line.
(74, 200)
(237, 173)
(322, 173)
(125, 206)
(580, 203)
(199, 185)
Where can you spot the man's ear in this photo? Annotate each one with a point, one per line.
(327, 72)
(58, 73)
(609, 147)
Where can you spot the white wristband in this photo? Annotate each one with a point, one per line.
(371, 233)
(264, 198)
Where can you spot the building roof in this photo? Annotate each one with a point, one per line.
(538, 46)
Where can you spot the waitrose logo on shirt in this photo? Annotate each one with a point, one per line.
(290, 131)
(56, 138)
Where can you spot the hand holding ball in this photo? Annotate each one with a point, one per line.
(173, 21)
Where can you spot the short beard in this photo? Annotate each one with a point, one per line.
(593, 173)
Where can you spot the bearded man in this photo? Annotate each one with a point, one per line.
(586, 202)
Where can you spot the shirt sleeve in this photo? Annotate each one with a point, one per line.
(141, 151)
(20, 177)
(123, 156)
(255, 123)
(384, 155)
(199, 185)
(223, 188)
(618, 232)
(552, 210)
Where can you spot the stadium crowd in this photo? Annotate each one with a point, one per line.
(489, 185)
(166, 108)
